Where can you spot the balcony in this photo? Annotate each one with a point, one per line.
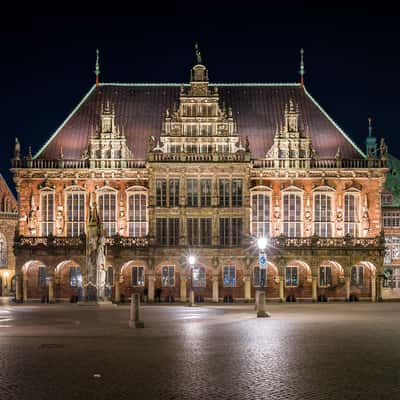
(49, 241)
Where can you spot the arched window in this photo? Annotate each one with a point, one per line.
(47, 211)
(107, 201)
(323, 214)
(351, 214)
(292, 214)
(137, 213)
(260, 214)
(3, 251)
(75, 211)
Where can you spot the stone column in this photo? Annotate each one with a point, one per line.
(281, 289)
(24, 287)
(247, 287)
(373, 288)
(314, 288)
(183, 289)
(347, 284)
(215, 288)
(18, 294)
(151, 278)
(51, 288)
(117, 294)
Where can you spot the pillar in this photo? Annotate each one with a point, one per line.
(18, 294)
(373, 288)
(347, 284)
(314, 289)
(51, 288)
(215, 288)
(183, 289)
(117, 294)
(25, 287)
(247, 287)
(281, 289)
(151, 279)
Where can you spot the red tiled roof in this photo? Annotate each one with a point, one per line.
(257, 109)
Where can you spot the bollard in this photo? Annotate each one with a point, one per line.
(134, 317)
(261, 313)
(256, 300)
(191, 298)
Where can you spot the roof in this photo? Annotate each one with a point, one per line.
(5, 190)
(257, 108)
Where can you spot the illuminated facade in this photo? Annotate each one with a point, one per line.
(164, 171)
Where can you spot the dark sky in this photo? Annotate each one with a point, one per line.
(352, 61)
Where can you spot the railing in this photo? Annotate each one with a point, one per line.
(122, 241)
(332, 242)
(50, 241)
(8, 215)
(199, 157)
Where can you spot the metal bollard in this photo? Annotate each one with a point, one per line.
(261, 313)
(134, 313)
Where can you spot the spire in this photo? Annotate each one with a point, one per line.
(369, 126)
(371, 143)
(302, 71)
(97, 70)
(198, 54)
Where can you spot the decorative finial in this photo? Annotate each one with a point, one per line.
(302, 71)
(198, 54)
(97, 70)
(30, 153)
(61, 153)
(369, 126)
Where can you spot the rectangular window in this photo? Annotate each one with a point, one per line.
(223, 193)
(47, 212)
(137, 214)
(75, 213)
(260, 214)
(230, 231)
(173, 192)
(205, 192)
(108, 212)
(357, 275)
(391, 219)
(291, 276)
(236, 231)
(325, 276)
(351, 214)
(199, 277)
(168, 276)
(229, 276)
(192, 193)
(161, 192)
(167, 231)
(137, 276)
(193, 231)
(199, 231)
(322, 215)
(260, 276)
(292, 214)
(224, 230)
(205, 231)
(392, 249)
(75, 277)
(42, 276)
(110, 276)
(237, 192)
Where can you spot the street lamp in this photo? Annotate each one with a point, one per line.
(262, 243)
(192, 262)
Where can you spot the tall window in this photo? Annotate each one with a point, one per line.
(108, 211)
(351, 214)
(161, 192)
(47, 212)
(292, 214)
(357, 275)
(237, 192)
(230, 231)
(199, 277)
(223, 193)
(110, 276)
(199, 231)
(291, 277)
(3, 251)
(75, 212)
(167, 231)
(325, 276)
(229, 276)
(137, 276)
(205, 192)
(260, 214)
(168, 276)
(42, 276)
(322, 214)
(75, 277)
(260, 278)
(192, 193)
(392, 249)
(137, 214)
(173, 192)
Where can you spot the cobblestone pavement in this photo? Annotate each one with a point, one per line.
(305, 351)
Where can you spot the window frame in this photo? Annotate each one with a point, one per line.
(264, 223)
(131, 192)
(287, 222)
(139, 282)
(71, 191)
(166, 283)
(292, 268)
(48, 223)
(202, 279)
(107, 190)
(356, 282)
(324, 278)
(357, 210)
(329, 224)
(231, 267)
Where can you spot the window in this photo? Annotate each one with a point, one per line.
(199, 231)
(173, 192)
(47, 212)
(137, 276)
(75, 277)
(229, 276)
(108, 211)
(223, 193)
(205, 192)
(42, 276)
(168, 276)
(3, 251)
(292, 214)
(322, 215)
(387, 199)
(392, 249)
(391, 219)
(357, 275)
(291, 276)
(260, 214)
(199, 277)
(230, 231)
(325, 276)
(167, 231)
(75, 213)
(237, 190)
(137, 214)
(260, 276)
(192, 193)
(351, 214)
(161, 192)
(110, 276)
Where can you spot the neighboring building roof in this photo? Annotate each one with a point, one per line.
(5, 191)
(140, 109)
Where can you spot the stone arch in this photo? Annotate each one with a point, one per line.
(34, 280)
(68, 281)
(362, 280)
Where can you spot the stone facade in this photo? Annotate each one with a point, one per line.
(202, 191)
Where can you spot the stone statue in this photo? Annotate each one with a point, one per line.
(247, 144)
(383, 148)
(151, 143)
(85, 154)
(101, 267)
(17, 149)
(198, 54)
(59, 222)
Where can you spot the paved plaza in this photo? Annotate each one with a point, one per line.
(305, 351)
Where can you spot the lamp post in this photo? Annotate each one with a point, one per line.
(192, 262)
(262, 262)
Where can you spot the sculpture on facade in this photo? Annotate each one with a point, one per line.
(17, 149)
(383, 148)
(151, 142)
(59, 222)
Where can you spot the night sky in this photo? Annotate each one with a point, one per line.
(352, 62)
